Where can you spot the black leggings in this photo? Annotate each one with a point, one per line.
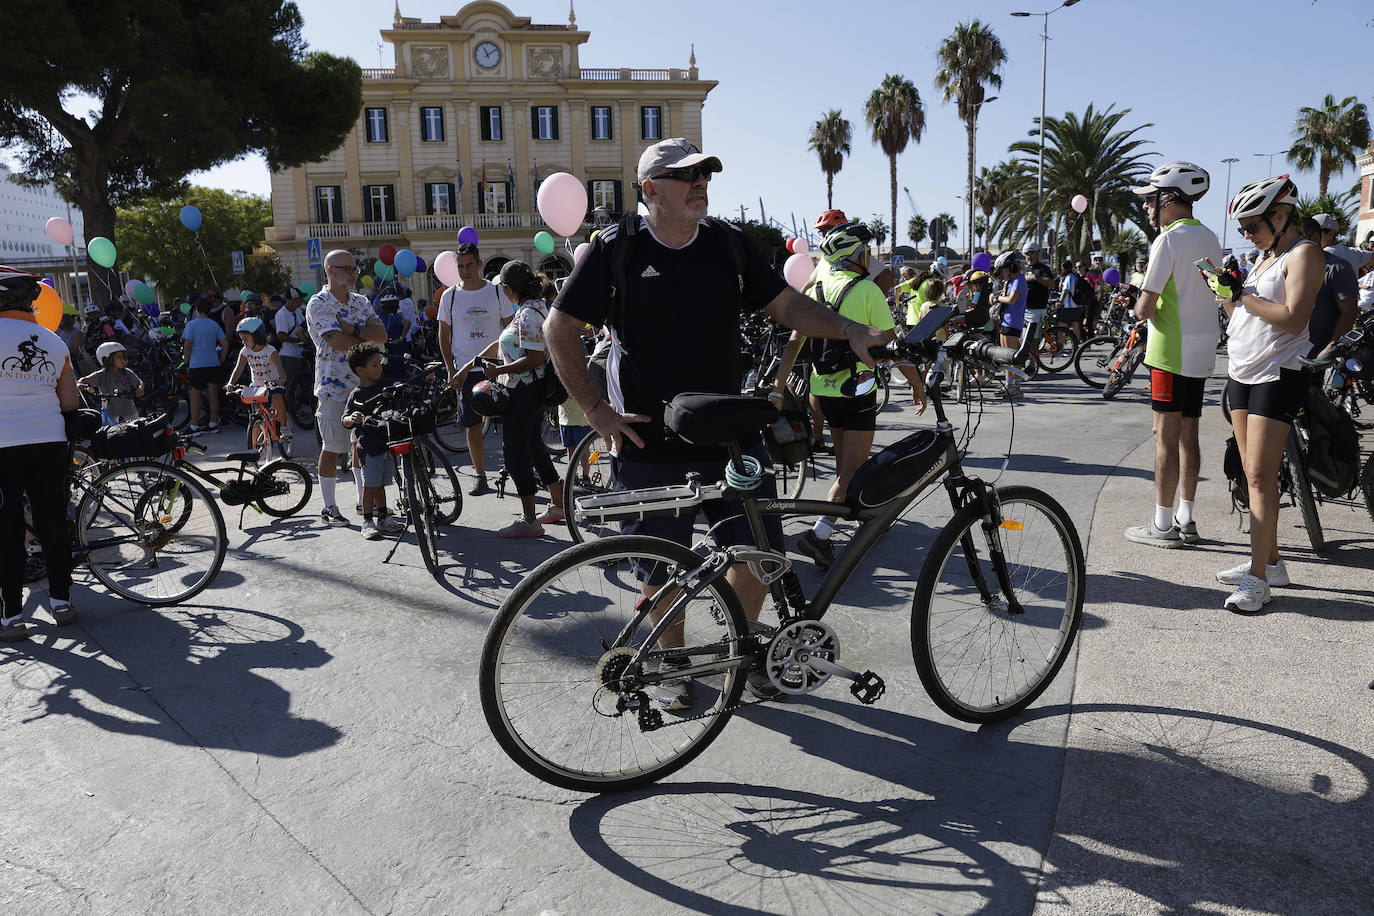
(40, 471)
(522, 443)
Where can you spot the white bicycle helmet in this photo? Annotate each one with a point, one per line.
(845, 241)
(1190, 180)
(1259, 197)
(1007, 259)
(108, 349)
(92, 308)
(938, 271)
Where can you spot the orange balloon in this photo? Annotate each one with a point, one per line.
(48, 307)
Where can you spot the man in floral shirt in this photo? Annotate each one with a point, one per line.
(337, 318)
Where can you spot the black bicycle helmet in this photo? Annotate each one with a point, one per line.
(18, 289)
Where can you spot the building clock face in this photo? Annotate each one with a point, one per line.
(487, 54)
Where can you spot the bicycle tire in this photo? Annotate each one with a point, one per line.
(420, 506)
(1226, 401)
(554, 629)
(448, 493)
(292, 486)
(1093, 358)
(300, 400)
(1056, 353)
(551, 433)
(1052, 598)
(1121, 376)
(1367, 485)
(598, 477)
(448, 431)
(1302, 492)
(143, 557)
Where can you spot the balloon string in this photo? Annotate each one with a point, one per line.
(206, 258)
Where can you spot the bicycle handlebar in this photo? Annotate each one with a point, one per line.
(959, 344)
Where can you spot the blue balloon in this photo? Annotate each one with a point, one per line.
(190, 218)
(405, 262)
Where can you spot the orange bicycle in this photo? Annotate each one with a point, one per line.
(265, 428)
(1109, 361)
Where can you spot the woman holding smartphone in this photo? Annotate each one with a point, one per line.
(1267, 333)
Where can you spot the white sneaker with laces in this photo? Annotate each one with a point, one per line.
(390, 524)
(1250, 596)
(673, 696)
(1276, 575)
(370, 530)
(1187, 531)
(1149, 534)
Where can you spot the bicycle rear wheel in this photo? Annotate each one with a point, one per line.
(550, 432)
(1302, 491)
(1121, 376)
(152, 534)
(559, 687)
(286, 486)
(589, 473)
(1094, 359)
(300, 400)
(1056, 350)
(977, 660)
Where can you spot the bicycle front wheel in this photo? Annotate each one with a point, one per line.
(561, 690)
(448, 431)
(550, 432)
(420, 505)
(443, 482)
(1056, 350)
(151, 533)
(1094, 359)
(1121, 375)
(1302, 492)
(978, 660)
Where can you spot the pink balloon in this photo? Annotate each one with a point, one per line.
(1079, 203)
(801, 245)
(60, 231)
(796, 270)
(446, 268)
(580, 250)
(562, 203)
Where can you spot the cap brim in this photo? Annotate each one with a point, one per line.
(686, 162)
(1142, 191)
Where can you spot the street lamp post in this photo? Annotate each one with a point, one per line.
(1044, 60)
(1229, 162)
(1271, 156)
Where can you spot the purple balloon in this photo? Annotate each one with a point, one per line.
(467, 236)
(1111, 276)
(982, 261)
(420, 265)
(151, 310)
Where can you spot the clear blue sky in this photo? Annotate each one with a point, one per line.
(1192, 68)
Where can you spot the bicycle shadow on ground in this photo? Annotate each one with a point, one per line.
(460, 575)
(1204, 805)
(1058, 465)
(188, 675)
(283, 532)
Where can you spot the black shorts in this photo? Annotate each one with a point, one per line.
(1171, 393)
(205, 376)
(632, 475)
(1277, 400)
(1008, 332)
(859, 414)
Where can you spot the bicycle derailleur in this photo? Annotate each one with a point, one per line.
(618, 678)
(803, 655)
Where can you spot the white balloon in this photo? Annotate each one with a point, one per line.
(801, 246)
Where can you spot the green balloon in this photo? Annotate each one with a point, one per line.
(144, 293)
(384, 272)
(185, 308)
(544, 242)
(101, 250)
(308, 288)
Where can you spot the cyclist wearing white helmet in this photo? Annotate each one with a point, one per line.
(1181, 347)
(1012, 299)
(1267, 335)
(115, 382)
(264, 366)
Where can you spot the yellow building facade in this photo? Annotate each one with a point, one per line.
(480, 107)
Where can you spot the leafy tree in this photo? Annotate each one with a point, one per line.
(830, 137)
(178, 87)
(769, 239)
(264, 272)
(1342, 206)
(916, 230)
(1329, 138)
(1090, 155)
(895, 117)
(878, 228)
(969, 59)
(153, 242)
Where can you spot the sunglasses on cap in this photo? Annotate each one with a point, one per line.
(691, 173)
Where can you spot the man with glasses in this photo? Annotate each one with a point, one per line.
(1181, 348)
(338, 318)
(675, 328)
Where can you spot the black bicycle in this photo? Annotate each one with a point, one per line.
(574, 653)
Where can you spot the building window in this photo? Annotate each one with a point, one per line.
(376, 125)
(544, 122)
(606, 193)
(329, 204)
(651, 123)
(431, 123)
(490, 116)
(601, 122)
(495, 197)
(379, 203)
(439, 198)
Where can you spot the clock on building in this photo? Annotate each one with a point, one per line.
(487, 55)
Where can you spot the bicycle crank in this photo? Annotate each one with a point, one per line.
(804, 654)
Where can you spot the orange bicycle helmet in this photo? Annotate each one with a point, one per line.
(829, 220)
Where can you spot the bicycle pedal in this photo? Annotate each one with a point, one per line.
(868, 688)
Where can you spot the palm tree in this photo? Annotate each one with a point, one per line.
(1090, 155)
(830, 138)
(878, 228)
(1329, 137)
(968, 61)
(916, 230)
(895, 117)
(991, 190)
(951, 227)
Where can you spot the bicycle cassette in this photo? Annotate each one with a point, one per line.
(790, 659)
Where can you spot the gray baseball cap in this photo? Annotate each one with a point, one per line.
(1326, 221)
(677, 153)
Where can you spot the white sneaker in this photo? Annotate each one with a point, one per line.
(370, 530)
(1149, 534)
(390, 524)
(673, 696)
(1276, 575)
(1250, 596)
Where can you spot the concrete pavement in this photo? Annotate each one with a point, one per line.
(306, 736)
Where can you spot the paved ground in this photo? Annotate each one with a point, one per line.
(306, 737)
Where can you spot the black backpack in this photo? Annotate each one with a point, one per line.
(1083, 293)
(831, 356)
(1333, 446)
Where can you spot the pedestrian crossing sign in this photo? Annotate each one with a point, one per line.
(237, 257)
(314, 253)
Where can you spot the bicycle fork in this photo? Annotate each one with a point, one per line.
(962, 493)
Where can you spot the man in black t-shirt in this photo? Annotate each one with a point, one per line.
(679, 325)
(1338, 298)
(1039, 279)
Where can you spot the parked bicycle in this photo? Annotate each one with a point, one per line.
(576, 650)
(1109, 362)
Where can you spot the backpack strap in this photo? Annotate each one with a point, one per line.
(734, 244)
(621, 246)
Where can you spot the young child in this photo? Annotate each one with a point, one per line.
(264, 365)
(365, 359)
(114, 378)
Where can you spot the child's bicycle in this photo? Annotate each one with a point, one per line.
(576, 662)
(1108, 362)
(264, 429)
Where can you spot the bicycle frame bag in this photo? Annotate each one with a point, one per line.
(1333, 446)
(897, 471)
(788, 438)
(146, 437)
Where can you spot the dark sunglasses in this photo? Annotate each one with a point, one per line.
(1250, 228)
(687, 174)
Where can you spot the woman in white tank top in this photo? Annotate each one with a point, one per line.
(1266, 336)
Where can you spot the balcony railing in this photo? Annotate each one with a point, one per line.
(532, 222)
(373, 73)
(626, 73)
